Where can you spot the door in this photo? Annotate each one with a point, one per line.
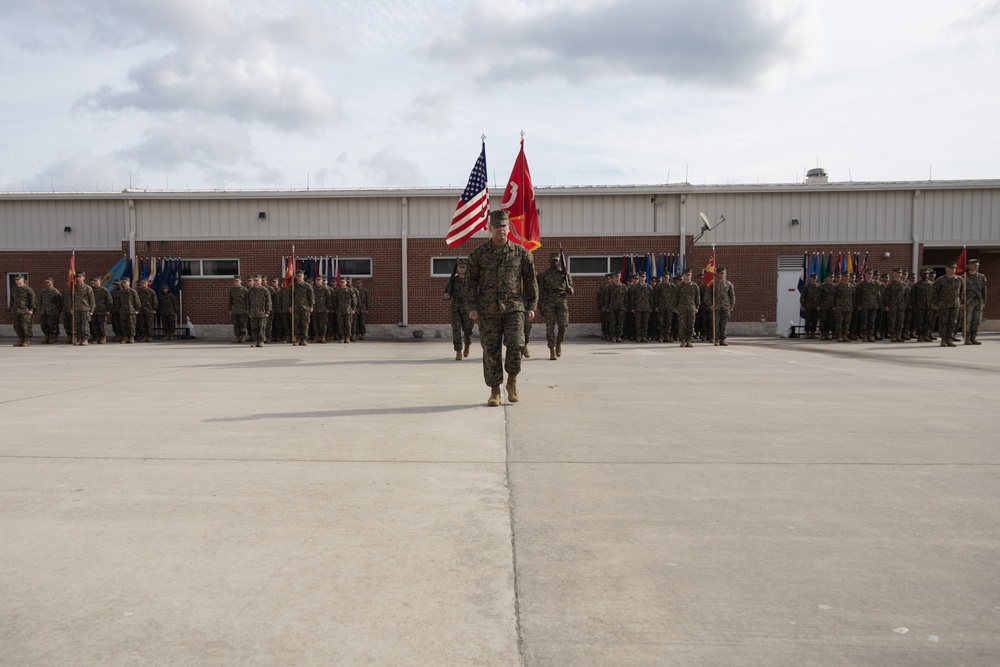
(789, 272)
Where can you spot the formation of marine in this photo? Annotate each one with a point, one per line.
(896, 306)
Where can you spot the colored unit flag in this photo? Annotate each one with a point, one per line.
(175, 276)
(289, 277)
(804, 278)
(624, 276)
(116, 272)
(709, 276)
(864, 264)
(961, 262)
(71, 278)
(473, 210)
(336, 269)
(152, 270)
(519, 202)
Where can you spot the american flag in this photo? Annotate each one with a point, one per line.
(473, 210)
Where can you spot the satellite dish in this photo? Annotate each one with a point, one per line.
(705, 226)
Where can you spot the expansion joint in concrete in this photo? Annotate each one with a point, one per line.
(513, 541)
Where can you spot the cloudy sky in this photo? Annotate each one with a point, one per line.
(250, 94)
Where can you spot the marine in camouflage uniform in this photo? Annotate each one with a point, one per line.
(602, 309)
(321, 311)
(503, 291)
(553, 290)
(703, 320)
(617, 294)
(23, 305)
(146, 320)
(923, 314)
(67, 316)
(345, 302)
(641, 305)
(116, 309)
(103, 304)
(895, 306)
(364, 305)
(168, 312)
(461, 324)
(686, 306)
(303, 303)
(809, 304)
(237, 304)
(283, 315)
(259, 306)
(130, 305)
(868, 299)
(50, 305)
(843, 307)
(272, 318)
(665, 301)
(722, 297)
(946, 298)
(975, 298)
(83, 309)
(827, 297)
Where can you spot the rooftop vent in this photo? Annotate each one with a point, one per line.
(817, 175)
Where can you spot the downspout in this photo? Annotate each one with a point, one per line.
(683, 230)
(131, 232)
(915, 262)
(405, 266)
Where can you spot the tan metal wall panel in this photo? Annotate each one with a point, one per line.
(824, 218)
(954, 217)
(39, 224)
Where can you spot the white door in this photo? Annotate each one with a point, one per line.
(789, 272)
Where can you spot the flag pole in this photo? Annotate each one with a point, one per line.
(292, 260)
(715, 279)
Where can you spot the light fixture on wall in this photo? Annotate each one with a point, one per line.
(795, 222)
(262, 215)
(886, 255)
(67, 230)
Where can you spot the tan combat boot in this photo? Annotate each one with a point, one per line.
(974, 340)
(468, 344)
(20, 342)
(552, 354)
(525, 353)
(512, 394)
(85, 342)
(494, 396)
(458, 355)
(559, 348)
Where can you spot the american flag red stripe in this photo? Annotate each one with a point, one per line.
(473, 209)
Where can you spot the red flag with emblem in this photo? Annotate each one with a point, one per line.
(72, 271)
(519, 202)
(709, 276)
(960, 264)
(289, 277)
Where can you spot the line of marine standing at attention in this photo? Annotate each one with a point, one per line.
(895, 308)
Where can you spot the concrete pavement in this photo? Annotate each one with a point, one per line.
(778, 502)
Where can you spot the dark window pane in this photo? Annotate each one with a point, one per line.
(581, 265)
(442, 266)
(190, 267)
(355, 267)
(220, 267)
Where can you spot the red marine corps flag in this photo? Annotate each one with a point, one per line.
(71, 278)
(709, 276)
(519, 202)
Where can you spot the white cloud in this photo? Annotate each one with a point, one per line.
(189, 142)
(388, 169)
(713, 42)
(261, 89)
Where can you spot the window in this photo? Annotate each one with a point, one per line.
(210, 268)
(441, 267)
(594, 266)
(350, 267)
